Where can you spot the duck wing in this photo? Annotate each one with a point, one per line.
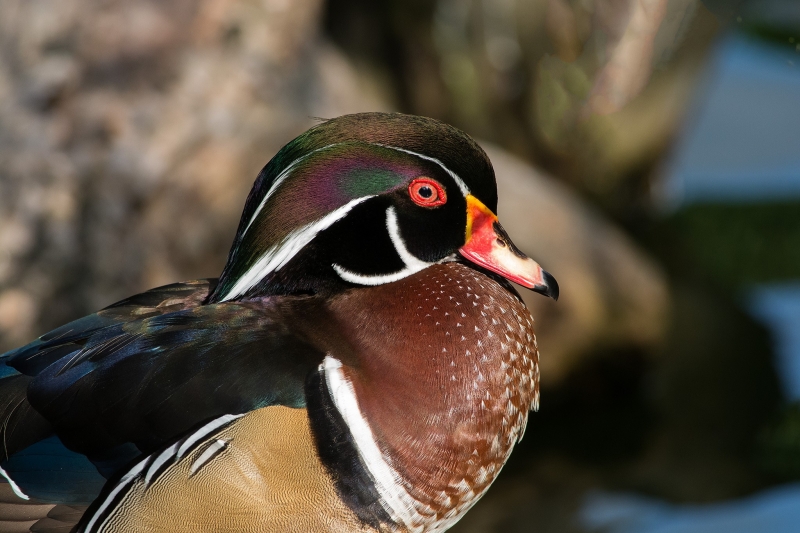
(98, 392)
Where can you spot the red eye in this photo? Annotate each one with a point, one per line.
(427, 192)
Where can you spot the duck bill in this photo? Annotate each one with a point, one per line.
(489, 246)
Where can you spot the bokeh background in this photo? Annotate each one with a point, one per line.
(647, 153)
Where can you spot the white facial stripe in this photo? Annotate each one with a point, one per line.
(411, 262)
(277, 256)
(395, 499)
(461, 185)
(288, 170)
(280, 179)
(407, 257)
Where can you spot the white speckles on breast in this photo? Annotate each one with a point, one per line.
(475, 385)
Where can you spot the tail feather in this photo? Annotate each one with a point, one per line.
(20, 424)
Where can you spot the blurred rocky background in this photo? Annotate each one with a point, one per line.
(620, 131)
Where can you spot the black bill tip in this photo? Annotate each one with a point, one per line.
(549, 287)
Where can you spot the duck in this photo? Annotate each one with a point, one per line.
(363, 363)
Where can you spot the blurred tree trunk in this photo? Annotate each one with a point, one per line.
(130, 133)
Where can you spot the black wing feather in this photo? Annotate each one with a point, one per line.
(149, 380)
(151, 367)
(32, 358)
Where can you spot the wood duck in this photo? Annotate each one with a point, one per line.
(361, 364)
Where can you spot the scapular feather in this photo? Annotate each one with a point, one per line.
(154, 365)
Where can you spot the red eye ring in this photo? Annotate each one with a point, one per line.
(427, 192)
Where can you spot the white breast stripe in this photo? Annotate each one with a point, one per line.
(159, 461)
(126, 480)
(204, 432)
(280, 254)
(209, 453)
(175, 451)
(411, 262)
(280, 179)
(14, 486)
(397, 502)
(461, 185)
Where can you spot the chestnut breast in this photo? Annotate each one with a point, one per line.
(445, 371)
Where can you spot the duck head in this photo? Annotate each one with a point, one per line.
(368, 199)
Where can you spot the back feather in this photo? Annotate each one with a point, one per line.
(127, 379)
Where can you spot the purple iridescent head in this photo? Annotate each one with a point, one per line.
(369, 199)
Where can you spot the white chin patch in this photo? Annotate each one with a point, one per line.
(411, 262)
